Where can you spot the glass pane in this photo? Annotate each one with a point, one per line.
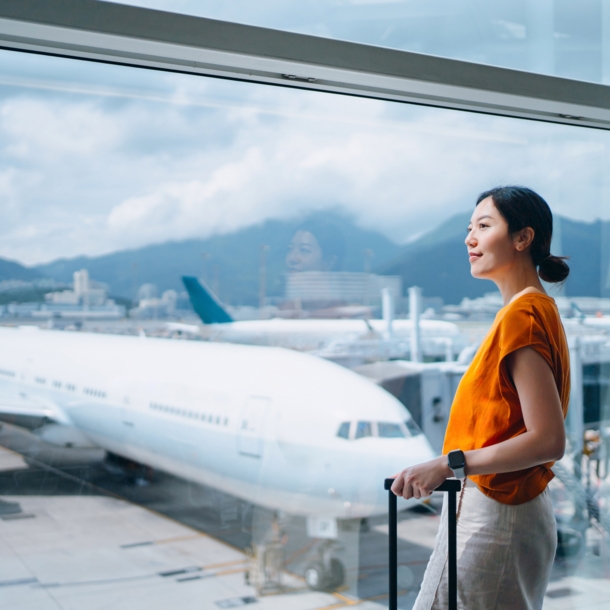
(363, 428)
(387, 430)
(557, 37)
(344, 430)
(212, 278)
(412, 427)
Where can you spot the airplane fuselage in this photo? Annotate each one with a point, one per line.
(258, 423)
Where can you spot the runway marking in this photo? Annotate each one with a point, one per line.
(136, 544)
(346, 601)
(227, 572)
(296, 554)
(211, 566)
(18, 581)
(170, 573)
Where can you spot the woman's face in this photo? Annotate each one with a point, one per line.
(304, 253)
(491, 250)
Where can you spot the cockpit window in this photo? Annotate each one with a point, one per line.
(343, 430)
(413, 428)
(389, 430)
(363, 429)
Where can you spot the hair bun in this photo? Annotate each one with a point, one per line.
(553, 269)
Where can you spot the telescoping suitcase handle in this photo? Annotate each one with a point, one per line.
(452, 487)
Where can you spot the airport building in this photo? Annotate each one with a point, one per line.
(318, 288)
(245, 466)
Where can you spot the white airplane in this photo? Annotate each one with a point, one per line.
(275, 427)
(311, 334)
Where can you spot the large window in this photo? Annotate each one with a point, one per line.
(148, 456)
(555, 37)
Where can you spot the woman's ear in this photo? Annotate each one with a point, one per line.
(524, 238)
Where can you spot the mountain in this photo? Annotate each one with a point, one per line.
(228, 263)
(437, 261)
(11, 270)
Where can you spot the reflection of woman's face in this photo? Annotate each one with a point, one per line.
(304, 253)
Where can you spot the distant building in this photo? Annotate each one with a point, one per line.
(153, 307)
(146, 292)
(88, 299)
(323, 288)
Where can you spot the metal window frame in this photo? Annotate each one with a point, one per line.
(119, 34)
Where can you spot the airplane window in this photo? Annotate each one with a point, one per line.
(413, 428)
(389, 430)
(363, 429)
(217, 419)
(343, 430)
(226, 421)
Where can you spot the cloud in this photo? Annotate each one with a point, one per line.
(87, 172)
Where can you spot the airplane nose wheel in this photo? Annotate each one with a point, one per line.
(320, 578)
(325, 573)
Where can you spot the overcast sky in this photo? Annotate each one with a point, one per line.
(98, 158)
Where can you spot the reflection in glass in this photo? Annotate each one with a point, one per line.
(546, 36)
(143, 178)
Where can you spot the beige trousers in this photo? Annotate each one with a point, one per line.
(504, 555)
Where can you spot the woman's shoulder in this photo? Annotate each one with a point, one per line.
(532, 318)
(535, 304)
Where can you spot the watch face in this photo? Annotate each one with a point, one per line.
(456, 459)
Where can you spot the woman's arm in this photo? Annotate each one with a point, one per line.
(543, 441)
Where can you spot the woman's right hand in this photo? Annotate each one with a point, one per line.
(421, 480)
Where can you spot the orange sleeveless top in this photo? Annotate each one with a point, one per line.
(486, 408)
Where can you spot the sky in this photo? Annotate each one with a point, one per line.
(96, 158)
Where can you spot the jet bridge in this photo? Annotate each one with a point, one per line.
(425, 389)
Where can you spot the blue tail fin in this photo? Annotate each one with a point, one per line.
(205, 304)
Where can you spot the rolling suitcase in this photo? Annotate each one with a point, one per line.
(452, 487)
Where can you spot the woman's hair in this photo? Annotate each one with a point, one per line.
(521, 207)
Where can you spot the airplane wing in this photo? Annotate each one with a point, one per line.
(43, 418)
(21, 409)
(205, 304)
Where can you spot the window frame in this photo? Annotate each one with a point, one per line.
(133, 36)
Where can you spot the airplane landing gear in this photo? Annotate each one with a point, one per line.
(325, 572)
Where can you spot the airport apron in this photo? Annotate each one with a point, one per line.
(504, 552)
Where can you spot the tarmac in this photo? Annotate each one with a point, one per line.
(79, 533)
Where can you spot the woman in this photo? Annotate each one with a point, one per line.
(506, 426)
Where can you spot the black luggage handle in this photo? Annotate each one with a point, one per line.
(452, 487)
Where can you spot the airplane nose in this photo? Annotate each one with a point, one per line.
(412, 451)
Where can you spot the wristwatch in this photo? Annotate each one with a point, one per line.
(457, 462)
